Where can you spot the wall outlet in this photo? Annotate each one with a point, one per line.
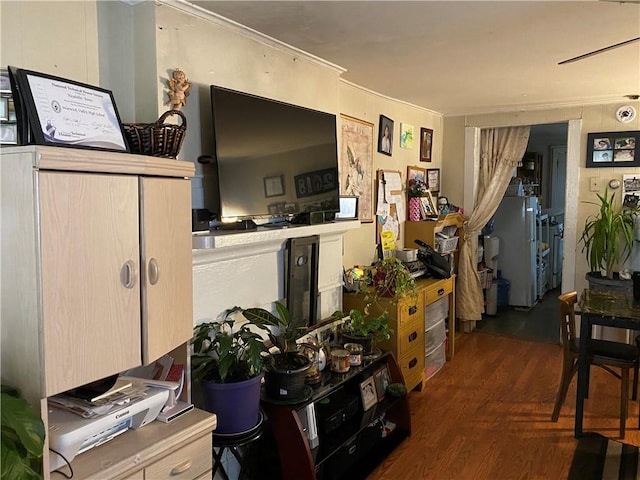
(594, 184)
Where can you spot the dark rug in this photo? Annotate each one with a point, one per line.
(600, 458)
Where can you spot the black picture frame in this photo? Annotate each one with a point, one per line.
(62, 112)
(385, 147)
(348, 208)
(613, 149)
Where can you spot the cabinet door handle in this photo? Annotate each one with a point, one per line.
(128, 274)
(183, 467)
(441, 291)
(413, 309)
(154, 271)
(413, 336)
(413, 362)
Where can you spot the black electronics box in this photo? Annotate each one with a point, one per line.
(334, 410)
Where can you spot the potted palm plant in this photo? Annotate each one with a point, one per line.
(607, 238)
(285, 369)
(227, 362)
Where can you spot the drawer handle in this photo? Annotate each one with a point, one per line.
(183, 467)
(413, 310)
(413, 336)
(441, 291)
(413, 362)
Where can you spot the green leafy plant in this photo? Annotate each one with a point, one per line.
(390, 278)
(607, 236)
(286, 329)
(366, 324)
(226, 351)
(22, 437)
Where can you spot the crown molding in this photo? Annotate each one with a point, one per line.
(199, 12)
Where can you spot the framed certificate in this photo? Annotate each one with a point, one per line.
(66, 113)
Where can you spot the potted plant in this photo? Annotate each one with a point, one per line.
(386, 279)
(22, 437)
(284, 369)
(365, 328)
(228, 364)
(608, 239)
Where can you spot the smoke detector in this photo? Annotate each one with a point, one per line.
(626, 114)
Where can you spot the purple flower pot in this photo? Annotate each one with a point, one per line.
(237, 405)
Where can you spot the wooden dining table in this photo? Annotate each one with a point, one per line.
(606, 308)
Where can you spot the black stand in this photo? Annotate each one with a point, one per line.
(237, 445)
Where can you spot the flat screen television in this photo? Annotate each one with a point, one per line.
(273, 159)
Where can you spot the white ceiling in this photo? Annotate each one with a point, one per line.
(462, 57)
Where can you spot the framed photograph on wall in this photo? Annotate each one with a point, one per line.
(368, 393)
(426, 144)
(385, 135)
(433, 179)
(355, 163)
(613, 149)
(406, 135)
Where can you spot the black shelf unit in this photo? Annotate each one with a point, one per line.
(351, 449)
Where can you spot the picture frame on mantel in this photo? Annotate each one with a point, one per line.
(613, 149)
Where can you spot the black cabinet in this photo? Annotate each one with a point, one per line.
(351, 441)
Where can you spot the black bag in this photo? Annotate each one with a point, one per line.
(436, 264)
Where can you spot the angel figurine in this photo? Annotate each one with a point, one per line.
(179, 88)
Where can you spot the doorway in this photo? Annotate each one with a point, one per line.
(548, 144)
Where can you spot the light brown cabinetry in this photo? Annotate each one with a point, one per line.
(428, 230)
(96, 267)
(408, 321)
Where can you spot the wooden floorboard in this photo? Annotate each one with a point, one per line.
(487, 415)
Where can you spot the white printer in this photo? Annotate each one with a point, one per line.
(70, 434)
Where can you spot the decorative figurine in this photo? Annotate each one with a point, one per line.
(179, 88)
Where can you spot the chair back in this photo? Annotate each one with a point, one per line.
(568, 318)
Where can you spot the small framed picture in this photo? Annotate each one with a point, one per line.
(433, 179)
(426, 143)
(416, 174)
(385, 135)
(4, 108)
(368, 393)
(613, 149)
(8, 134)
(428, 206)
(273, 186)
(406, 135)
(381, 379)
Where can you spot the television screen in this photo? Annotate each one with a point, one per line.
(273, 159)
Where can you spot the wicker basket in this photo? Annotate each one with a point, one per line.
(157, 139)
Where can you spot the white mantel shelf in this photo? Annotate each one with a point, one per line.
(247, 267)
(223, 239)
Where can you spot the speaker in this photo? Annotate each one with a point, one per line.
(301, 284)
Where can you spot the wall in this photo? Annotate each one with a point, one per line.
(132, 50)
(597, 118)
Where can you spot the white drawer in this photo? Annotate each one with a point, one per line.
(434, 336)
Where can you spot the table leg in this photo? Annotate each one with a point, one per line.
(583, 372)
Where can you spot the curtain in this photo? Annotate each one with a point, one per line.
(500, 151)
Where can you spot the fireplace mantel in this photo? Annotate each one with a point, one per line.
(246, 268)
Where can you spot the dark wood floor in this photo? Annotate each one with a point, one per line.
(486, 415)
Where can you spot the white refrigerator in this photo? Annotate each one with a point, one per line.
(515, 226)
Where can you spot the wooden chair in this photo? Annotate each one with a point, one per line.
(602, 353)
